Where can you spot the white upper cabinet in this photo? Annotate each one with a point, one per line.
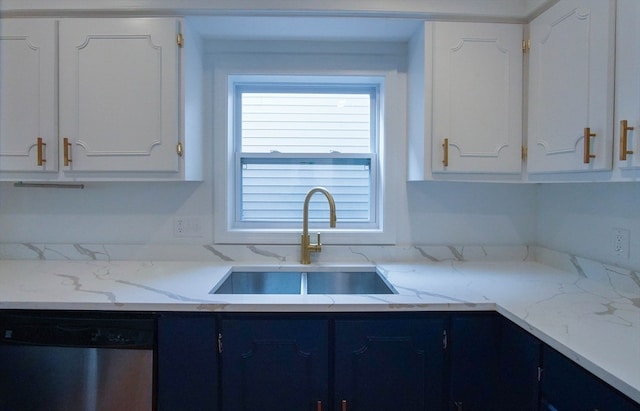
(124, 107)
(571, 73)
(28, 130)
(477, 98)
(465, 101)
(119, 95)
(627, 122)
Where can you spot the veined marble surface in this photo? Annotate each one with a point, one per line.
(593, 319)
(273, 254)
(616, 276)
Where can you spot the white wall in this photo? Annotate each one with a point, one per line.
(576, 218)
(142, 213)
(119, 213)
(470, 213)
(579, 219)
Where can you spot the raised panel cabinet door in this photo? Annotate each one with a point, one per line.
(274, 364)
(389, 364)
(570, 121)
(187, 362)
(474, 349)
(28, 133)
(477, 98)
(627, 124)
(518, 369)
(119, 94)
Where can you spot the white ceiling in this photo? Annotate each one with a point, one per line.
(439, 9)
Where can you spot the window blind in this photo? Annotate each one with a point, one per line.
(294, 138)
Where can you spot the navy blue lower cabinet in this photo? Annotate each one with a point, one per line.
(187, 362)
(367, 361)
(389, 364)
(567, 386)
(474, 346)
(494, 364)
(274, 364)
(518, 369)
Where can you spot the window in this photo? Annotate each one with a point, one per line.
(286, 120)
(292, 134)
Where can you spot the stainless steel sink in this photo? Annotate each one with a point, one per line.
(347, 282)
(260, 282)
(367, 281)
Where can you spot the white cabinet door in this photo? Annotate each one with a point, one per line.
(477, 98)
(628, 84)
(571, 87)
(119, 95)
(27, 95)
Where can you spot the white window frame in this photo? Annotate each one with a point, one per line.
(392, 104)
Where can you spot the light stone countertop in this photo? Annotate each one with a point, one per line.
(595, 323)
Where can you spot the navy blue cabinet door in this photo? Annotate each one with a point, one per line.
(494, 364)
(567, 386)
(474, 350)
(517, 387)
(187, 367)
(274, 364)
(389, 364)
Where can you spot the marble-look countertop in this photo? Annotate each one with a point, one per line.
(595, 323)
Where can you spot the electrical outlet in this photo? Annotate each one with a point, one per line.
(621, 243)
(187, 226)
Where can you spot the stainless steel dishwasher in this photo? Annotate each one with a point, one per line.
(76, 361)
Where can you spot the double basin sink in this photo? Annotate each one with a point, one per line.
(361, 281)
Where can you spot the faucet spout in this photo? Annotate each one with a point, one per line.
(305, 243)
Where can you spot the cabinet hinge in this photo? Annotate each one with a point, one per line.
(525, 151)
(220, 343)
(526, 45)
(445, 340)
(179, 149)
(180, 40)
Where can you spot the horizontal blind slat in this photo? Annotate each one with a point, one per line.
(305, 122)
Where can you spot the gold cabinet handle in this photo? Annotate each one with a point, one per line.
(41, 152)
(587, 145)
(66, 151)
(445, 147)
(344, 405)
(624, 130)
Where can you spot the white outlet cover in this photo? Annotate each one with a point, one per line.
(187, 226)
(621, 243)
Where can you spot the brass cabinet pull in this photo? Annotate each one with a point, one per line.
(67, 151)
(41, 153)
(624, 130)
(344, 405)
(445, 147)
(587, 145)
(179, 149)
